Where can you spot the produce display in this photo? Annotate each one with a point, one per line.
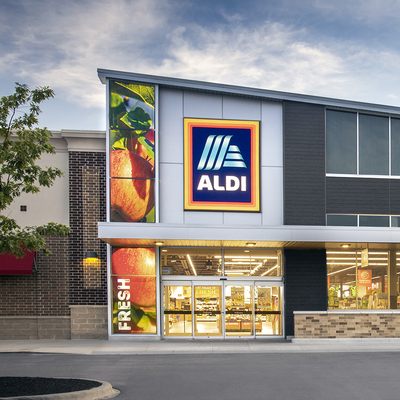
(134, 284)
(132, 142)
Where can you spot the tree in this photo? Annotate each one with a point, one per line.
(22, 143)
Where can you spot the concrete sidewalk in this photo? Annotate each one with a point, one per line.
(143, 347)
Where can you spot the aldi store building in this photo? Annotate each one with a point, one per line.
(216, 211)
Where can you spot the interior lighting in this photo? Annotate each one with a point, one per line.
(269, 270)
(256, 268)
(345, 246)
(341, 270)
(191, 264)
(159, 243)
(251, 244)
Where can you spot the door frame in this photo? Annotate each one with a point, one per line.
(174, 280)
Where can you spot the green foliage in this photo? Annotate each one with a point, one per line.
(22, 144)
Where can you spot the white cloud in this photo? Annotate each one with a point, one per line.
(63, 49)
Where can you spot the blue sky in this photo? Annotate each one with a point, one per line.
(344, 49)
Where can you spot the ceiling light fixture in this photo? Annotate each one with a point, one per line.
(191, 264)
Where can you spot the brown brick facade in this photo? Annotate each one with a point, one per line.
(45, 292)
(87, 202)
(347, 325)
(37, 306)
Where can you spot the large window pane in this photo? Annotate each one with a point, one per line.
(356, 285)
(395, 142)
(374, 220)
(341, 220)
(374, 145)
(341, 142)
(252, 262)
(191, 261)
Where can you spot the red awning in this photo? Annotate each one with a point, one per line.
(11, 265)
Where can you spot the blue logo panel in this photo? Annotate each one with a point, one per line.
(221, 161)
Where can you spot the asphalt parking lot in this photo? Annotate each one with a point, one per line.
(308, 376)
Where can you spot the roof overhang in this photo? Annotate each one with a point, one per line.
(146, 234)
(271, 95)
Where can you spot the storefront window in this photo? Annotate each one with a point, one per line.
(216, 261)
(191, 261)
(395, 145)
(358, 279)
(374, 145)
(341, 142)
(252, 262)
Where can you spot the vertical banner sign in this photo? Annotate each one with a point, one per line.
(364, 258)
(132, 139)
(134, 286)
(222, 165)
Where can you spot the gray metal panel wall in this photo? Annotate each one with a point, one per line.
(360, 195)
(305, 283)
(304, 163)
(395, 196)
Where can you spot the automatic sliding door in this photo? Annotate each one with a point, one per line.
(178, 310)
(268, 311)
(207, 310)
(239, 309)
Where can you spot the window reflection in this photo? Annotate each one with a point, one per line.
(357, 280)
(236, 262)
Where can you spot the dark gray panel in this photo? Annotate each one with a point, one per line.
(395, 196)
(358, 195)
(305, 283)
(304, 163)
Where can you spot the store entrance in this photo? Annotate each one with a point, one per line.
(222, 309)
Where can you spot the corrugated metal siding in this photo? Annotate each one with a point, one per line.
(304, 163)
(359, 195)
(305, 283)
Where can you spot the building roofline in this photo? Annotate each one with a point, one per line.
(273, 95)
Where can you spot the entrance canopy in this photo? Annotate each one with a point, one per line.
(132, 234)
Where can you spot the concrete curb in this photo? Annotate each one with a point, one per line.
(102, 392)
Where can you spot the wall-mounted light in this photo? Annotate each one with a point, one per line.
(91, 270)
(91, 259)
(158, 243)
(251, 244)
(345, 246)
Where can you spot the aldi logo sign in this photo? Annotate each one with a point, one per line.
(222, 165)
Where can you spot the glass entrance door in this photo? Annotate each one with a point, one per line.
(178, 310)
(238, 309)
(207, 310)
(268, 314)
(222, 309)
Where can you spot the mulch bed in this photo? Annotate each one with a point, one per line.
(30, 386)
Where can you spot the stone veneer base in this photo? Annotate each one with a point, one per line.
(352, 324)
(89, 322)
(38, 327)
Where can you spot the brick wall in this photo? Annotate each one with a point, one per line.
(348, 325)
(87, 201)
(45, 292)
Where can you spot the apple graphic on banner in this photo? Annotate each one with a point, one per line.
(144, 147)
(137, 264)
(131, 199)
